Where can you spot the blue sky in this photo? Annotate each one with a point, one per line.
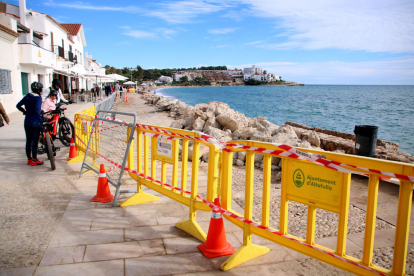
(311, 42)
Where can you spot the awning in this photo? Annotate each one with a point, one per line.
(63, 73)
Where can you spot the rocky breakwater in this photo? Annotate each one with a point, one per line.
(225, 124)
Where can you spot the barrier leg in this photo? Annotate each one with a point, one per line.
(246, 252)
(139, 197)
(191, 226)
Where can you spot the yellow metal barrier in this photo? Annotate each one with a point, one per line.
(83, 128)
(329, 190)
(132, 90)
(148, 166)
(303, 182)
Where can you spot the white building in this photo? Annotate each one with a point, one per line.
(165, 79)
(10, 80)
(261, 77)
(177, 77)
(252, 71)
(34, 47)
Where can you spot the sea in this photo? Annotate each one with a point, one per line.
(333, 107)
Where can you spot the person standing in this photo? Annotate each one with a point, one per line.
(107, 90)
(56, 85)
(97, 91)
(3, 114)
(32, 122)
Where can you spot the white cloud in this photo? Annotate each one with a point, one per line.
(125, 27)
(255, 42)
(391, 71)
(172, 12)
(140, 34)
(221, 31)
(154, 34)
(373, 26)
(167, 33)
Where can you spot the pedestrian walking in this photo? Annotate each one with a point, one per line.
(107, 90)
(3, 116)
(32, 122)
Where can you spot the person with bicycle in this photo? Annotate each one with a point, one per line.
(56, 85)
(49, 104)
(32, 122)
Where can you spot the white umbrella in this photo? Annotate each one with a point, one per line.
(117, 77)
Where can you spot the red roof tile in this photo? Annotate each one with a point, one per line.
(73, 29)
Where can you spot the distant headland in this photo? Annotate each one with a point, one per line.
(202, 76)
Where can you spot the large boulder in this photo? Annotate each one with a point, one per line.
(246, 133)
(166, 104)
(287, 129)
(198, 124)
(233, 121)
(177, 110)
(202, 106)
(203, 150)
(263, 124)
(262, 136)
(178, 124)
(219, 108)
(211, 122)
(220, 135)
(286, 138)
(314, 139)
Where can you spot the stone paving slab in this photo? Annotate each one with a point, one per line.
(153, 232)
(382, 238)
(168, 264)
(277, 254)
(123, 222)
(21, 271)
(181, 245)
(288, 268)
(153, 247)
(63, 255)
(61, 239)
(112, 251)
(104, 268)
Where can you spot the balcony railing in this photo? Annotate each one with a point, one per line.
(59, 51)
(70, 56)
(34, 54)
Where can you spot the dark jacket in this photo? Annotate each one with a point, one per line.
(33, 104)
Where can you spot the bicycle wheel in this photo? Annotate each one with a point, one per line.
(66, 131)
(49, 148)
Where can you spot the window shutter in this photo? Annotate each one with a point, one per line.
(5, 82)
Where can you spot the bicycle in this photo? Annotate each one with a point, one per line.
(48, 145)
(58, 124)
(61, 125)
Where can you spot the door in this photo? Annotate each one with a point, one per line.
(25, 84)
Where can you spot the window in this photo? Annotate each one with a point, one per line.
(5, 82)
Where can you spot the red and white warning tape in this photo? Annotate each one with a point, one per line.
(218, 209)
(150, 134)
(287, 151)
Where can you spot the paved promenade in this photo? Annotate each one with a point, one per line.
(48, 226)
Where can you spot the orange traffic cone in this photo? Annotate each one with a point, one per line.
(126, 98)
(103, 194)
(216, 244)
(73, 151)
